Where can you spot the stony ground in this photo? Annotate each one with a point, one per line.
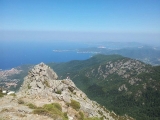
(10, 109)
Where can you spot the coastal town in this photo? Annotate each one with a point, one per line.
(5, 81)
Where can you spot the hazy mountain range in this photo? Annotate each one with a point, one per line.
(146, 53)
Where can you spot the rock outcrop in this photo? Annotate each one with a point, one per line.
(41, 87)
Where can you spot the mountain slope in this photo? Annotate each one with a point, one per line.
(44, 96)
(121, 84)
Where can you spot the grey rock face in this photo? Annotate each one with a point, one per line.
(122, 87)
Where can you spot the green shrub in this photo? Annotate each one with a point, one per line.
(81, 116)
(1, 94)
(93, 118)
(46, 83)
(13, 94)
(65, 115)
(30, 105)
(58, 92)
(53, 110)
(29, 87)
(54, 107)
(40, 111)
(75, 105)
(20, 101)
(58, 106)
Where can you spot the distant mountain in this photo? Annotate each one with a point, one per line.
(116, 45)
(121, 84)
(149, 55)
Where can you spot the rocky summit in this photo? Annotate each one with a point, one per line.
(43, 96)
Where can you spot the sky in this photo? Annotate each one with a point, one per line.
(81, 20)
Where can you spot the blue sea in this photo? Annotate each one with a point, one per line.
(17, 53)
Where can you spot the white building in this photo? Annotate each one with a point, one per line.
(11, 92)
(4, 91)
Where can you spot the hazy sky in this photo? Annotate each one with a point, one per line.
(110, 20)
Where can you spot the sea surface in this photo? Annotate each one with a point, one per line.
(17, 53)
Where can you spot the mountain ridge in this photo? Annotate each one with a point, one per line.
(50, 98)
(120, 84)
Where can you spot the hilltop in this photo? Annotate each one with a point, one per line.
(43, 96)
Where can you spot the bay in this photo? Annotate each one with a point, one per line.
(16, 53)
